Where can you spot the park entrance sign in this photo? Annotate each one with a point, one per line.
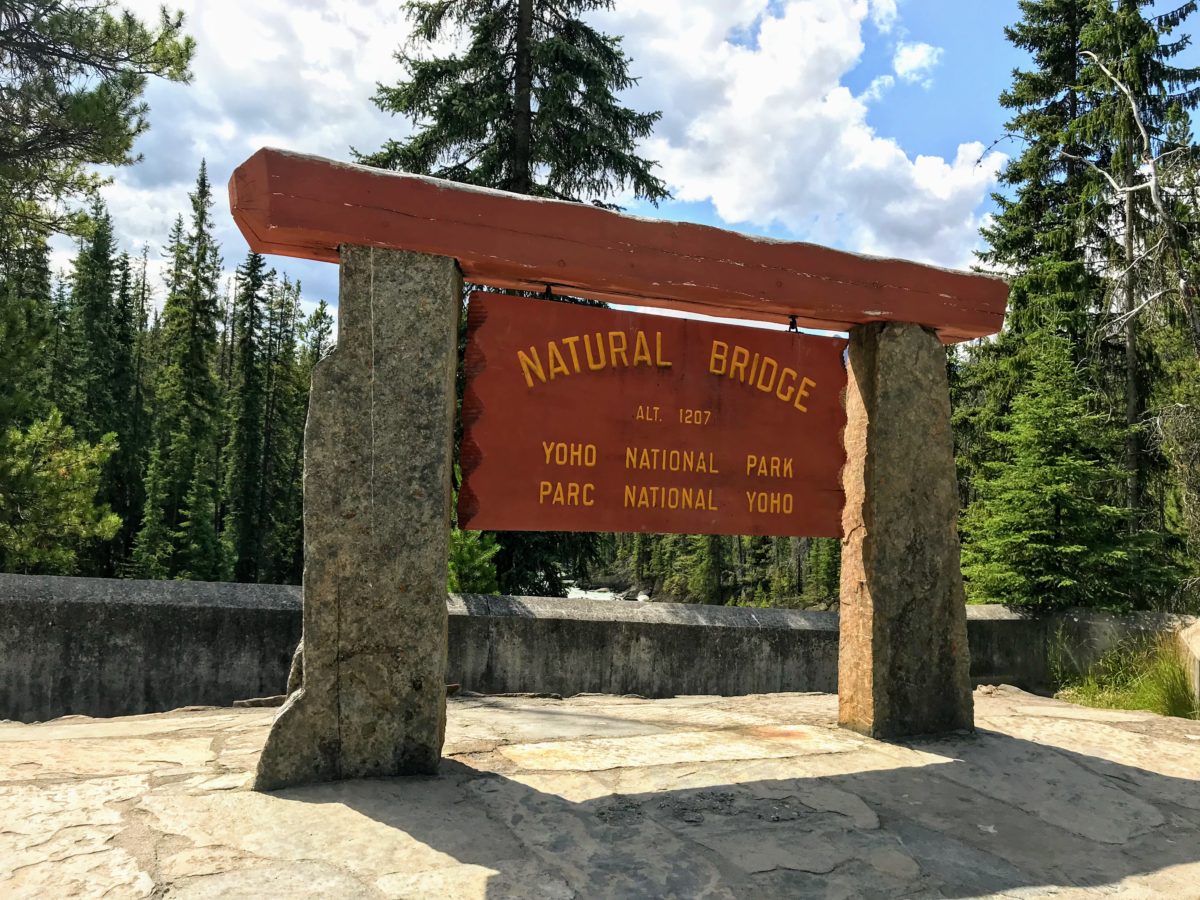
(584, 419)
(578, 418)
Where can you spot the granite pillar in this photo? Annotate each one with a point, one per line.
(903, 661)
(377, 469)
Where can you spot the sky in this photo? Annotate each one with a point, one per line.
(866, 125)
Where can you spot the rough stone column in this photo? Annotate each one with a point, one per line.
(377, 467)
(903, 666)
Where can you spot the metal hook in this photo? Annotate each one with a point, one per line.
(792, 326)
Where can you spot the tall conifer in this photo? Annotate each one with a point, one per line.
(177, 535)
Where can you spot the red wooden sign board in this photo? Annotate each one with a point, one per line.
(584, 419)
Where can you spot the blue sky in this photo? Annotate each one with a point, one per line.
(859, 124)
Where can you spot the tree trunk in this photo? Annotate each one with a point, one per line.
(1133, 394)
(521, 176)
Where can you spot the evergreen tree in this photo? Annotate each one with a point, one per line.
(244, 478)
(93, 303)
(1044, 533)
(49, 481)
(471, 568)
(27, 327)
(527, 104)
(73, 75)
(1130, 52)
(1042, 230)
(286, 402)
(182, 474)
(285, 552)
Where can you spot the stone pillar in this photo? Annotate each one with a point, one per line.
(903, 666)
(377, 468)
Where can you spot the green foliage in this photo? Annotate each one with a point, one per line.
(472, 570)
(71, 81)
(719, 569)
(186, 396)
(48, 484)
(1041, 533)
(525, 105)
(244, 486)
(1137, 674)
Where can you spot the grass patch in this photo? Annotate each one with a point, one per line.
(1136, 675)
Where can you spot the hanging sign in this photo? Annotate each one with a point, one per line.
(584, 419)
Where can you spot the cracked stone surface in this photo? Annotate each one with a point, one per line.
(601, 796)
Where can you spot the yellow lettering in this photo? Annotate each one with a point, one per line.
(558, 365)
(741, 356)
(531, 366)
(769, 387)
(597, 362)
(789, 375)
(571, 342)
(641, 349)
(720, 353)
(617, 342)
(802, 392)
(544, 489)
(659, 359)
(548, 446)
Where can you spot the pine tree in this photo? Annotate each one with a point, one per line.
(93, 302)
(49, 481)
(1044, 533)
(244, 460)
(182, 474)
(1040, 235)
(527, 105)
(286, 402)
(1128, 51)
(73, 75)
(27, 328)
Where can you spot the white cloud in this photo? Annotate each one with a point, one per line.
(879, 86)
(297, 74)
(884, 14)
(915, 62)
(761, 126)
(767, 132)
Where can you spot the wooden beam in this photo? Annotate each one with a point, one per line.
(304, 206)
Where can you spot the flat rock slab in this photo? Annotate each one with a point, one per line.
(616, 797)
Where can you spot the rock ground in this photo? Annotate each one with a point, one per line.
(601, 796)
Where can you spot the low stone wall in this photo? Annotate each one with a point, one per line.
(104, 648)
(519, 644)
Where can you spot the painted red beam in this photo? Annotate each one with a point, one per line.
(304, 206)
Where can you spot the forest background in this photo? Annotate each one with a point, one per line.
(152, 427)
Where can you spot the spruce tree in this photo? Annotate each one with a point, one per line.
(1044, 533)
(182, 476)
(1126, 50)
(244, 459)
(527, 103)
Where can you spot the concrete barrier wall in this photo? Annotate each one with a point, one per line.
(103, 647)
